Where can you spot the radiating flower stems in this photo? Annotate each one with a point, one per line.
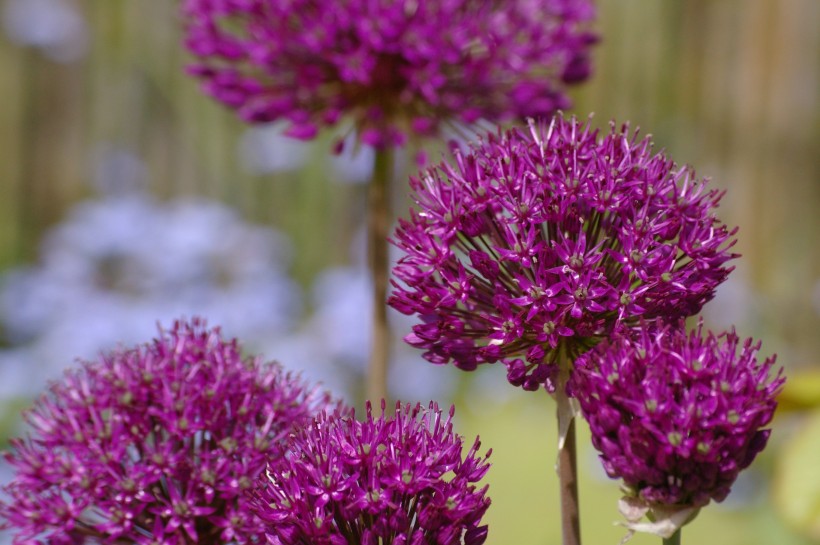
(567, 465)
(378, 223)
(674, 539)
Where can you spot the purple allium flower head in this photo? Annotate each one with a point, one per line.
(395, 480)
(154, 444)
(537, 243)
(396, 67)
(676, 416)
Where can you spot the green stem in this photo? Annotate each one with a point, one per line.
(567, 461)
(674, 540)
(378, 225)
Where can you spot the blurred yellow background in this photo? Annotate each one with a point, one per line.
(731, 87)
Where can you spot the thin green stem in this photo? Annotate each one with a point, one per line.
(567, 461)
(378, 225)
(674, 540)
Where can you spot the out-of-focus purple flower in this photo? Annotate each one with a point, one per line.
(399, 480)
(397, 68)
(154, 444)
(535, 244)
(676, 416)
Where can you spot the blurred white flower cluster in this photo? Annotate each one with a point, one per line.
(265, 149)
(119, 266)
(56, 27)
(338, 332)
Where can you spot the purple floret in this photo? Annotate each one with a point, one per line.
(396, 69)
(677, 416)
(154, 444)
(398, 479)
(535, 244)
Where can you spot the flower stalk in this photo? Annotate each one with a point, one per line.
(567, 463)
(378, 224)
(674, 540)
(568, 478)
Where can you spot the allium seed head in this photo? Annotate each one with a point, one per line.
(683, 414)
(397, 68)
(400, 479)
(154, 444)
(539, 242)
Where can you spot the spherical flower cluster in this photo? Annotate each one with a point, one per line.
(154, 444)
(676, 416)
(535, 244)
(397, 68)
(395, 480)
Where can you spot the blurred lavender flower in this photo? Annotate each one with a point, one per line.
(394, 68)
(116, 266)
(154, 444)
(15, 381)
(265, 149)
(53, 26)
(534, 245)
(676, 416)
(117, 170)
(354, 164)
(341, 318)
(397, 480)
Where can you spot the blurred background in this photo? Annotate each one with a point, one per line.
(128, 199)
